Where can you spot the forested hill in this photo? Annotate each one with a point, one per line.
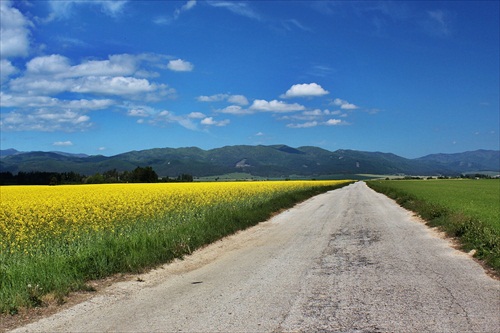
(264, 161)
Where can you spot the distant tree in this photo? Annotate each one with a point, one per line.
(185, 177)
(95, 179)
(53, 180)
(111, 176)
(144, 175)
(7, 178)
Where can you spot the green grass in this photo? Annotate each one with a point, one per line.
(466, 209)
(28, 280)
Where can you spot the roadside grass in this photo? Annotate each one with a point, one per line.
(466, 209)
(30, 279)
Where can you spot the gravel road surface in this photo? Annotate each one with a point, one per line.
(350, 260)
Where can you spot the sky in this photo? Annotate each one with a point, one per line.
(106, 77)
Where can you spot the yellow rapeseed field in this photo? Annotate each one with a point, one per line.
(32, 217)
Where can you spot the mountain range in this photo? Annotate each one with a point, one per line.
(264, 161)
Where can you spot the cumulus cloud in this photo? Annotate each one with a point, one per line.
(59, 66)
(303, 125)
(139, 112)
(118, 85)
(46, 120)
(235, 99)
(127, 87)
(235, 109)
(6, 70)
(14, 32)
(196, 115)
(180, 65)
(63, 143)
(152, 116)
(209, 121)
(23, 101)
(275, 106)
(305, 90)
(238, 99)
(333, 122)
(317, 113)
(344, 105)
(117, 78)
(314, 123)
(54, 74)
(313, 118)
(212, 98)
(61, 10)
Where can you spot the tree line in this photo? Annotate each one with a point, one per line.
(138, 175)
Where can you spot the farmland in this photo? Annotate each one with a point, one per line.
(466, 209)
(55, 238)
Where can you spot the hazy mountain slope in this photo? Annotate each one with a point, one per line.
(467, 161)
(264, 161)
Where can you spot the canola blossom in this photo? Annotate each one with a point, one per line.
(35, 218)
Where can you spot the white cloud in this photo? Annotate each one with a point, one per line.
(54, 74)
(112, 8)
(164, 20)
(59, 66)
(305, 90)
(113, 85)
(46, 120)
(235, 109)
(238, 99)
(235, 99)
(6, 70)
(317, 112)
(209, 121)
(33, 92)
(138, 113)
(14, 32)
(240, 8)
(63, 143)
(212, 98)
(24, 101)
(187, 6)
(303, 125)
(259, 134)
(180, 65)
(156, 117)
(344, 105)
(127, 87)
(275, 106)
(333, 122)
(196, 115)
(64, 9)
(314, 123)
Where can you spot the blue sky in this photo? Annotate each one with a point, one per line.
(105, 77)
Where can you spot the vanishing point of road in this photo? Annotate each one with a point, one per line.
(350, 260)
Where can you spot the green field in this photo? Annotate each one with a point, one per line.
(466, 209)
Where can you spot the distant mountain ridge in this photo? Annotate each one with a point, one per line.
(264, 161)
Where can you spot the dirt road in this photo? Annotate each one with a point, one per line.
(350, 260)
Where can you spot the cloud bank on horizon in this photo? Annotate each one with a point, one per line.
(391, 76)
